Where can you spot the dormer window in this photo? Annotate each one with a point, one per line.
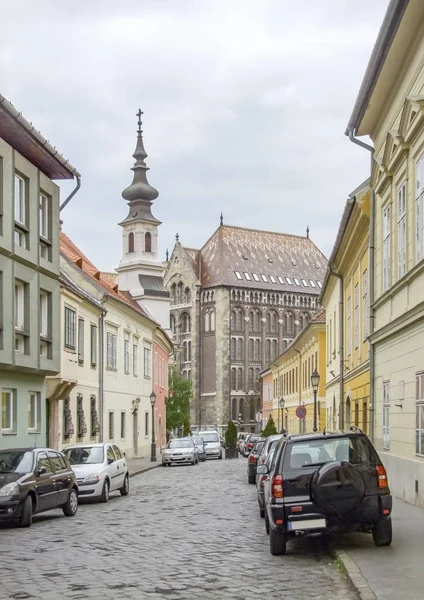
(131, 242)
(147, 242)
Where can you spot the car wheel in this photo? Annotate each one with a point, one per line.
(277, 542)
(382, 532)
(125, 489)
(193, 462)
(163, 464)
(71, 506)
(251, 478)
(220, 456)
(105, 492)
(266, 525)
(26, 516)
(261, 513)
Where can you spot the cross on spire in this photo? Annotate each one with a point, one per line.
(140, 112)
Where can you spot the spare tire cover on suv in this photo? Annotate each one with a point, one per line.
(337, 488)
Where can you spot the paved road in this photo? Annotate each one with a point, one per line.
(183, 533)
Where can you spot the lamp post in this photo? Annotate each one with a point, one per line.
(281, 404)
(153, 452)
(315, 383)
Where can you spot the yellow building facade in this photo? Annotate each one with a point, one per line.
(291, 374)
(390, 110)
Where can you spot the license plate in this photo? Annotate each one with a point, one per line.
(307, 524)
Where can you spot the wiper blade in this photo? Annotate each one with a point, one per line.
(318, 464)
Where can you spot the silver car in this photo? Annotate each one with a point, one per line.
(212, 443)
(179, 451)
(100, 469)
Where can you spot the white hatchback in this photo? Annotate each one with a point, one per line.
(100, 469)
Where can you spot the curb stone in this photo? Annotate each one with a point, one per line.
(144, 470)
(354, 574)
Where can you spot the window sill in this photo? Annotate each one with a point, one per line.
(71, 349)
(34, 431)
(93, 366)
(111, 369)
(9, 432)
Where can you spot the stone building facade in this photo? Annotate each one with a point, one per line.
(236, 304)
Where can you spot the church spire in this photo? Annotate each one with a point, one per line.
(140, 194)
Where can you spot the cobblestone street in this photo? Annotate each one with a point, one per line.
(182, 533)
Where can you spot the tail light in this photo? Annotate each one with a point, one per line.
(277, 486)
(252, 458)
(382, 477)
(262, 481)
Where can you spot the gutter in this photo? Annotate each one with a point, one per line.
(370, 280)
(72, 194)
(101, 370)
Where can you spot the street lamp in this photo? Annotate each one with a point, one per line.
(315, 384)
(153, 452)
(281, 404)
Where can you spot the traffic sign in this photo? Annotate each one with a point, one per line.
(301, 412)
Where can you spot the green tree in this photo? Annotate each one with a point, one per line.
(186, 427)
(178, 403)
(231, 435)
(270, 428)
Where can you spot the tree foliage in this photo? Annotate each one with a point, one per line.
(186, 427)
(231, 435)
(178, 403)
(270, 428)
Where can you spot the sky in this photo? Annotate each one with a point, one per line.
(245, 107)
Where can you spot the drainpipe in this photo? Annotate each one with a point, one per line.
(371, 279)
(300, 381)
(72, 194)
(101, 370)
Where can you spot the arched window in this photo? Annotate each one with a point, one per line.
(290, 324)
(250, 349)
(233, 320)
(233, 348)
(240, 379)
(234, 409)
(207, 322)
(186, 323)
(257, 350)
(273, 349)
(233, 380)
(212, 321)
(187, 295)
(147, 242)
(174, 293)
(240, 349)
(267, 351)
(273, 322)
(239, 320)
(131, 242)
(250, 386)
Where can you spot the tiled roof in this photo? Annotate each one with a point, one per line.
(263, 260)
(105, 280)
(319, 317)
(193, 256)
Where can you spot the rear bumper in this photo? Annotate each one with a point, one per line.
(366, 516)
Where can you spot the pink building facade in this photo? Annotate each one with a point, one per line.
(162, 349)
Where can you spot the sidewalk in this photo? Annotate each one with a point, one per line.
(141, 465)
(391, 572)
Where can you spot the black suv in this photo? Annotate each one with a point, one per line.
(33, 480)
(323, 483)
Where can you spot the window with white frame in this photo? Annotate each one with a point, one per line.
(365, 305)
(123, 424)
(386, 248)
(135, 357)
(44, 314)
(401, 231)
(419, 208)
(349, 326)
(127, 354)
(146, 424)
(21, 211)
(80, 340)
(147, 361)
(70, 328)
(34, 411)
(356, 316)
(44, 218)
(419, 412)
(386, 415)
(8, 411)
(112, 343)
(93, 345)
(21, 310)
(111, 425)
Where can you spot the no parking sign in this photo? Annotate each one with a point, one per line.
(301, 412)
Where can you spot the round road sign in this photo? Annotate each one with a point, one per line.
(301, 412)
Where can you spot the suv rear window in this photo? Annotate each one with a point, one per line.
(355, 450)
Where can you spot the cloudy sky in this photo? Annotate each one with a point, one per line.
(245, 106)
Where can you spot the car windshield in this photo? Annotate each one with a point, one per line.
(210, 437)
(198, 441)
(355, 450)
(180, 444)
(16, 461)
(85, 455)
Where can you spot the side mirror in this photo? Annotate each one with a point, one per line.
(110, 461)
(262, 470)
(42, 471)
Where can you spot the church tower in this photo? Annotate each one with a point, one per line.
(140, 271)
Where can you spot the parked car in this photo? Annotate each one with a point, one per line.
(260, 481)
(326, 482)
(179, 451)
(34, 480)
(270, 443)
(250, 442)
(212, 443)
(200, 448)
(100, 468)
(241, 441)
(253, 459)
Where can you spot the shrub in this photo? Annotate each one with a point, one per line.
(186, 427)
(270, 428)
(231, 435)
